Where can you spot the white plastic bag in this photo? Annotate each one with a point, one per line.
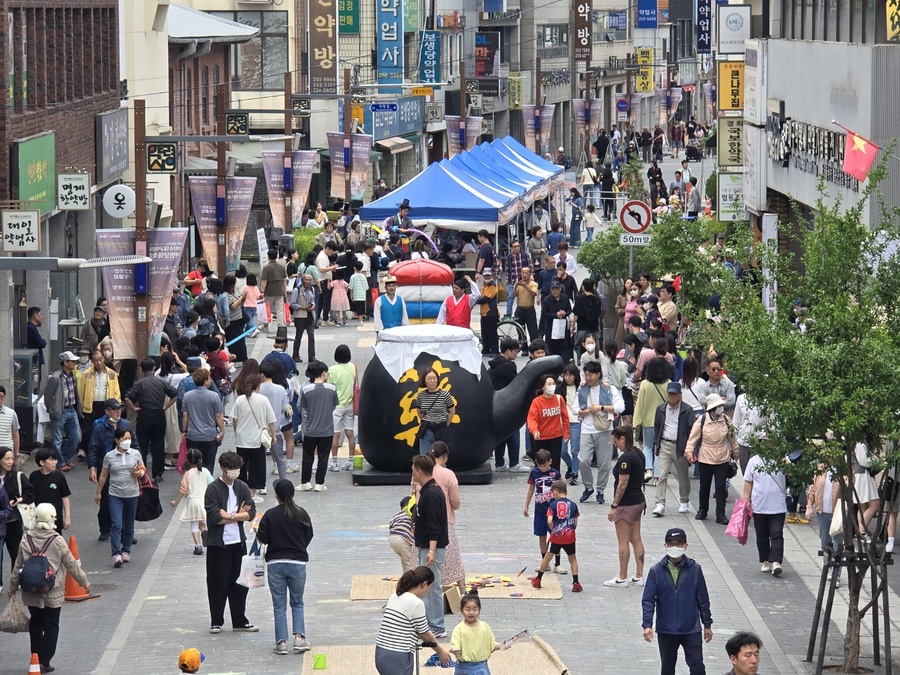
(253, 568)
(559, 329)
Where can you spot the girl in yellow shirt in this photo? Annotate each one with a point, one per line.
(473, 641)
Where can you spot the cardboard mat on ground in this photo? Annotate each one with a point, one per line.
(534, 656)
(493, 586)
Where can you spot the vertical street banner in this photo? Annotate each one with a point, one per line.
(580, 116)
(730, 144)
(487, 53)
(634, 108)
(596, 120)
(644, 82)
(323, 46)
(348, 17)
(389, 44)
(730, 86)
(360, 144)
(515, 90)
(336, 150)
(583, 20)
(238, 202)
(704, 26)
(709, 94)
(303, 163)
(646, 14)
(453, 146)
(273, 169)
(430, 57)
(474, 126)
(546, 126)
(410, 15)
(662, 102)
(165, 246)
(530, 131)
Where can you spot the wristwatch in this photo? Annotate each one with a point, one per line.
(613, 506)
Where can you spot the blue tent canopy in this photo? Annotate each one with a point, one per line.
(480, 163)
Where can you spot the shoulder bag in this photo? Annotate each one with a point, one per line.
(601, 421)
(148, 506)
(265, 438)
(26, 511)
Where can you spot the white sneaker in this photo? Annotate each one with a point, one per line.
(559, 569)
(274, 471)
(776, 569)
(889, 546)
(333, 465)
(683, 507)
(306, 487)
(348, 465)
(765, 568)
(262, 491)
(636, 581)
(615, 582)
(518, 468)
(501, 469)
(660, 510)
(320, 487)
(291, 468)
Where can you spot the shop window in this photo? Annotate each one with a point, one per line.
(553, 41)
(261, 62)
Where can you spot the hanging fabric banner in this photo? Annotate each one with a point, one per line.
(578, 107)
(453, 146)
(273, 169)
(360, 144)
(238, 202)
(474, 126)
(528, 124)
(596, 115)
(546, 126)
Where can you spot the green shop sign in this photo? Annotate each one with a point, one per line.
(34, 172)
(348, 17)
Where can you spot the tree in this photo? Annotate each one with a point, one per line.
(836, 383)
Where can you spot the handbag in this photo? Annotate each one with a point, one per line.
(14, 619)
(739, 523)
(225, 386)
(355, 390)
(253, 568)
(26, 511)
(837, 519)
(148, 506)
(265, 438)
(559, 329)
(732, 469)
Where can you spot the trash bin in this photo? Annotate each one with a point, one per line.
(286, 240)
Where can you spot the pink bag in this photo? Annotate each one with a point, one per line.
(182, 455)
(739, 524)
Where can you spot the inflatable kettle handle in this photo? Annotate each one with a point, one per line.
(511, 404)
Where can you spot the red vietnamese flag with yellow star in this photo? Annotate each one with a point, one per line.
(859, 153)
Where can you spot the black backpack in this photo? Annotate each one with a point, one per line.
(37, 575)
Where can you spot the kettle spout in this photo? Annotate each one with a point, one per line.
(511, 404)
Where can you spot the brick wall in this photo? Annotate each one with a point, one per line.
(71, 50)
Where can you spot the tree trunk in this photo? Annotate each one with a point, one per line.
(851, 639)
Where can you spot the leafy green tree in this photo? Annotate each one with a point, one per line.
(833, 382)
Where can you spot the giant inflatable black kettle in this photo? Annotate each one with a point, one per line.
(389, 425)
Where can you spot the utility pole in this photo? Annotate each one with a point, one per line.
(221, 196)
(462, 105)
(537, 105)
(348, 117)
(587, 111)
(141, 300)
(288, 150)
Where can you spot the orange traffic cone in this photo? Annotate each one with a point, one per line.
(75, 592)
(35, 665)
(707, 208)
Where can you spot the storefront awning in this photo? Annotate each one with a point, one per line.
(395, 144)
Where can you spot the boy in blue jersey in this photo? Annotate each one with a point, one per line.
(540, 482)
(562, 519)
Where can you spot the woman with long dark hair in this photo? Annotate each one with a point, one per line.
(548, 420)
(404, 624)
(19, 490)
(651, 395)
(287, 529)
(627, 507)
(577, 204)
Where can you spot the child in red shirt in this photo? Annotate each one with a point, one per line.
(562, 519)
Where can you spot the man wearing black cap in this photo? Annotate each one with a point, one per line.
(456, 310)
(555, 307)
(400, 222)
(103, 441)
(671, 428)
(676, 591)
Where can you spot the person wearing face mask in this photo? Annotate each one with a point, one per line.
(676, 591)
(548, 421)
(228, 506)
(122, 466)
(102, 443)
(84, 360)
(712, 443)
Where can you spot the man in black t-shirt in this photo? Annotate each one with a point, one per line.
(51, 487)
(485, 252)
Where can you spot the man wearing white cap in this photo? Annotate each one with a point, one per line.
(390, 308)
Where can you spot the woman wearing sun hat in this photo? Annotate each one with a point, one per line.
(712, 443)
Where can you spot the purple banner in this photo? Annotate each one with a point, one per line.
(473, 131)
(273, 168)
(165, 245)
(336, 150)
(546, 126)
(578, 106)
(453, 147)
(302, 162)
(360, 145)
(528, 123)
(238, 202)
(596, 115)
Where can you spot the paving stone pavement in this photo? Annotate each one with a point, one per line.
(156, 606)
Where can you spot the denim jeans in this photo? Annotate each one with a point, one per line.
(121, 513)
(434, 601)
(571, 449)
(650, 460)
(284, 578)
(510, 300)
(426, 441)
(510, 445)
(68, 424)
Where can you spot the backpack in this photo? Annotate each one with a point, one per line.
(37, 575)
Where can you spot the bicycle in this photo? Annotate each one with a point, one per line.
(508, 328)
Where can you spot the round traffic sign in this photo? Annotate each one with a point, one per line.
(622, 105)
(635, 217)
(119, 201)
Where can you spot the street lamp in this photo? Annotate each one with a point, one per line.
(69, 264)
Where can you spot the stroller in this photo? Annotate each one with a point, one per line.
(693, 151)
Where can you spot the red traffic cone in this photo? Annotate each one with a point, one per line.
(75, 592)
(35, 665)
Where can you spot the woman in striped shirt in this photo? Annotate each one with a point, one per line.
(436, 410)
(404, 624)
